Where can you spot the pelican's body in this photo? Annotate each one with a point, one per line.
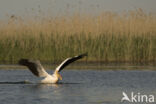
(50, 79)
(54, 78)
(37, 69)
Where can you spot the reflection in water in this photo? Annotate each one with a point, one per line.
(43, 86)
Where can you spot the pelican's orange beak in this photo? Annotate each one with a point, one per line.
(59, 76)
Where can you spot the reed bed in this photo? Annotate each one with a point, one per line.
(107, 37)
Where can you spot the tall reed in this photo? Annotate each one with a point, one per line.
(126, 37)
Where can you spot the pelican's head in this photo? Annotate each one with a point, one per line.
(58, 75)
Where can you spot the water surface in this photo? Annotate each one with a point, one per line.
(77, 87)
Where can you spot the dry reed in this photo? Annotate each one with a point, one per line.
(125, 37)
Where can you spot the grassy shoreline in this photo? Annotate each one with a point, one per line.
(109, 37)
(87, 66)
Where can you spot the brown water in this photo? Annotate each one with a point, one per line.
(77, 87)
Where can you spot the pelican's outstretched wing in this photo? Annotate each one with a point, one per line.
(34, 66)
(68, 61)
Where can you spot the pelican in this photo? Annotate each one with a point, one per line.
(37, 69)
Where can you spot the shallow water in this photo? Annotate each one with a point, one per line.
(77, 87)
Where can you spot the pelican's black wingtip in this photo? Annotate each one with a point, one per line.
(84, 54)
(22, 61)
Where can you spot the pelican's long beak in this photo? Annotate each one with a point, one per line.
(59, 76)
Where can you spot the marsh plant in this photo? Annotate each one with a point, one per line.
(107, 37)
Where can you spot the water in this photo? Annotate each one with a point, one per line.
(77, 87)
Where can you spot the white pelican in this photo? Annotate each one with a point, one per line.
(37, 69)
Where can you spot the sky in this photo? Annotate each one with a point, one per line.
(59, 7)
